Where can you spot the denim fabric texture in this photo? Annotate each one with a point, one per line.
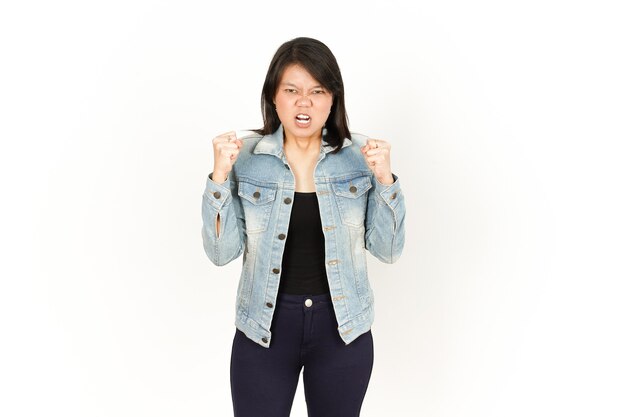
(358, 213)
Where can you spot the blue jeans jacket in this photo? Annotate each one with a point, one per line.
(254, 206)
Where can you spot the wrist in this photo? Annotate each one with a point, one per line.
(386, 180)
(218, 176)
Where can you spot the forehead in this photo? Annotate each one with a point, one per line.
(297, 74)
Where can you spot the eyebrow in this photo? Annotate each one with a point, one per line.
(293, 85)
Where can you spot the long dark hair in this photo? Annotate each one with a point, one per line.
(320, 62)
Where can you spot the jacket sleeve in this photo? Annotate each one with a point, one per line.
(384, 221)
(222, 199)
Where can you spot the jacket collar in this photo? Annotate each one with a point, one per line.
(273, 144)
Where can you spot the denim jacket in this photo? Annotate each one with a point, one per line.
(254, 205)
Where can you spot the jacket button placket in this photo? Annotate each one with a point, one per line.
(278, 246)
(332, 252)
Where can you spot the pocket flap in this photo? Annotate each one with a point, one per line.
(257, 194)
(352, 188)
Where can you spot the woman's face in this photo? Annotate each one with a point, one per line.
(302, 104)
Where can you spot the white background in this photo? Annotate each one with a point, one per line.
(506, 121)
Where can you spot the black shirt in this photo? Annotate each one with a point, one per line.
(303, 264)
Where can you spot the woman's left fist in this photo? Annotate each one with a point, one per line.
(377, 155)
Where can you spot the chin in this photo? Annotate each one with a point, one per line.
(305, 131)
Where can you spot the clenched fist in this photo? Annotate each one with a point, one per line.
(376, 153)
(225, 151)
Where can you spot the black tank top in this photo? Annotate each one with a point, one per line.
(303, 264)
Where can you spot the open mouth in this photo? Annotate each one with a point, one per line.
(303, 120)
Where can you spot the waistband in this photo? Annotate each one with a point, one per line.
(297, 300)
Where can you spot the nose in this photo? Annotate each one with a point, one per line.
(304, 100)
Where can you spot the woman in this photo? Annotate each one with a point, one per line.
(302, 199)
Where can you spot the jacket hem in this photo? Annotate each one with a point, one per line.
(253, 330)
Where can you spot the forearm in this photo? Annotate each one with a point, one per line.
(218, 178)
(384, 234)
(222, 235)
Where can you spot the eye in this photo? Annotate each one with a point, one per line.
(319, 91)
(290, 90)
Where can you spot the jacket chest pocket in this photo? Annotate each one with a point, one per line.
(256, 200)
(351, 196)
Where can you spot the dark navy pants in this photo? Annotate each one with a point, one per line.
(264, 380)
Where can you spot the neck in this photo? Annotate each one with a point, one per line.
(303, 144)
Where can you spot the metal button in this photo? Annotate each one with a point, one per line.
(256, 194)
(264, 340)
(333, 262)
(287, 200)
(308, 302)
(276, 270)
(270, 305)
(217, 194)
(281, 236)
(352, 189)
(393, 196)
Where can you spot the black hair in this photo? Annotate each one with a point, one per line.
(320, 62)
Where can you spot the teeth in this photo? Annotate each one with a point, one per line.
(302, 117)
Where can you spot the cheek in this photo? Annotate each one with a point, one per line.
(330, 104)
(329, 107)
(279, 105)
(283, 104)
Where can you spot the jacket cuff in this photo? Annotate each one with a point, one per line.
(391, 193)
(217, 195)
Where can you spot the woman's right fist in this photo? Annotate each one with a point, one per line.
(225, 151)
